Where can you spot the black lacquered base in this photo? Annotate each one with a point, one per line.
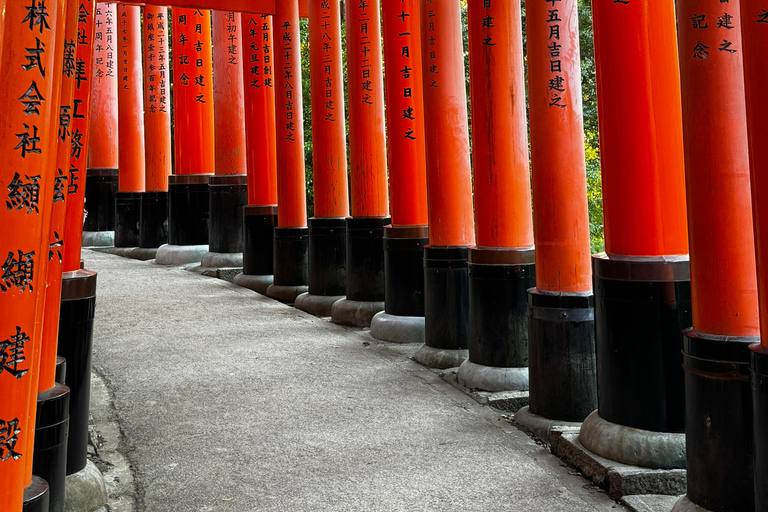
(228, 196)
(61, 370)
(188, 209)
(36, 496)
(290, 256)
(642, 306)
(759, 370)
(259, 223)
(127, 219)
(153, 221)
(78, 304)
(327, 256)
(101, 186)
(404, 269)
(561, 355)
(498, 306)
(365, 258)
(446, 298)
(718, 422)
(51, 433)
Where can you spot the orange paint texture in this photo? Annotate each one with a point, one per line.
(103, 151)
(130, 95)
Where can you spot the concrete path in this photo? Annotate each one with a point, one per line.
(231, 401)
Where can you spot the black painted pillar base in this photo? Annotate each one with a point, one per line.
(291, 250)
(759, 371)
(51, 433)
(497, 327)
(327, 266)
(153, 220)
(188, 209)
(78, 303)
(127, 219)
(61, 370)
(228, 196)
(101, 187)
(718, 421)
(561, 355)
(259, 223)
(36, 496)
(404, 269)
(446, 307)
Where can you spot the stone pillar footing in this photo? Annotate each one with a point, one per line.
(153, 220)
(355, 313)
(86, 490)
(286, 293)
(127, 219)
(136, 253)
(404, 270)
(188, 209)
(492, 378)
(541, 426)
(258, 284)
(259, 223)
(98, 238)
(397, 329)
(180, 254)
(759, 376)
(228, 194)
(318, 305)
(222, 260)
(440, 358)
(632, 446)
(51, 431)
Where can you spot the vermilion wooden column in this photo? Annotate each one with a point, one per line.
(291, 235)
(103, 149)
(368, 167)
(405, 239)
(31, 67)
(559, 345)
(754, 27)
(501, 265)
(228, 189)
(193, 128)
(327, 229)
(642, 287)
(449, 186)
(260, 216)
(130, 95)
(157, 128)
(718, 423)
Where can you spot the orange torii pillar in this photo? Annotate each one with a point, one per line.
(501, 264)
(561, 338)
(193, 132)
(103, 157)
(229, 187)
(754, 29)
(642, 281)
(291, 236)
(449, 187)
(368, 163)
(130, 117)
(153, 231)
(31, 63)
(718, 403)
(260, 215)
(327, 276)
(404, 240)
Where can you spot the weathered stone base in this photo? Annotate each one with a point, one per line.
(633, 446)
(180, 254)
(397, 329)
(98, 238)
(649, 502)
(686, 505)
(258, 284)
(490, 378)
(136, 253)
(222, 260)
(224, 273)
(616, 478)
(318, 305)
(85, 490)
(355, 313)
(286, 294)
(503, 401)
(542, 427)
(440, 358)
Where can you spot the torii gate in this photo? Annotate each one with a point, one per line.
(245, 6)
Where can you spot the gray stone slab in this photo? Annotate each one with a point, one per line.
(397, 329)
(258, 284)
(491, 378)
(542, 427)
(85, 490)
(616, 478)
(98, 238)
(317, 305)
(355, 313)
(175, 255)
(230, 401)
(649, 502)
(136, 253)
(503, 401)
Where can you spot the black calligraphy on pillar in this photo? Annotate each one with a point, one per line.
(404, 35)
(431, 54)
(151, 57)
(12, 354)
(556, 86)
(9, 432)
(365, 42)
(328, 54)
(717, 33)
(199, 60)
(290, 124)
(124, 49)
(23, 194)
(18, 272)
(232, 39)
(110, 42)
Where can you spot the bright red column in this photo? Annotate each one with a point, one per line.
(228, 94)
(291, 194)
(329, 141)
(367, 150)
(259, 95)
(103, 151)
(406, 151)
(561, 233)
(130, 94)
(31, 65)
(157, 99)
(193, 92)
